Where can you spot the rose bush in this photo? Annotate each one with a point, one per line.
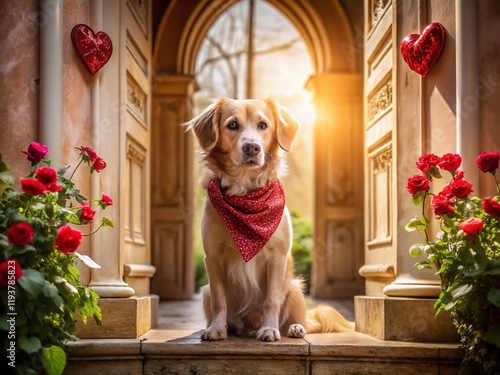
(465, 252)
(40, 288)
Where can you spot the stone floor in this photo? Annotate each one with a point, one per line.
(179, 315)
(174, 347)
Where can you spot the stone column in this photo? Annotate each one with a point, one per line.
(423, 123)
(338, 229)
(172, 187)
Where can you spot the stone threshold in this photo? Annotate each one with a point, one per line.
(164, 351)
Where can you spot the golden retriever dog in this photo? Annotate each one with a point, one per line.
(246, 227)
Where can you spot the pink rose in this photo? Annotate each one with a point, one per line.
(471, 226)
(20, 234)
(36, 151)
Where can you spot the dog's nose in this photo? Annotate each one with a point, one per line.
(251, 149)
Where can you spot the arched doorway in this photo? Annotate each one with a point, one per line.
(337, 88)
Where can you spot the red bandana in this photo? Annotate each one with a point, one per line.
(251, 218)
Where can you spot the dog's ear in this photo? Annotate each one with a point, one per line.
(205, 126)
(287, 125)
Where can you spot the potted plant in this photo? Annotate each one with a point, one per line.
(40, 288)
(465, 252)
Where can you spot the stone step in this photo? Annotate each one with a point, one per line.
(163, 351)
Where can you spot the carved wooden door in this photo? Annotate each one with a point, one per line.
(134, 50)
(378, 133)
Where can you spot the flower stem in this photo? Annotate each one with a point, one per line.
(72, 174)
(91, 233)
(496, 181)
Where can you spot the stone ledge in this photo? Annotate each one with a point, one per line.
(181, 351)
(403, 319)
(122, 318)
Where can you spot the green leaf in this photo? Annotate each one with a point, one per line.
(418, 198)
(6, 178)
(494, 296)
(461, 291)
(493, 267)
(492, 336)
(53, 360)
(416, 251)
(63, 170)
(434, 172)
(29, 345)
(473, 270)
(32, 281)
(107, 222)
(412, 225)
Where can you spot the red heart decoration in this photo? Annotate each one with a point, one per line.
(421, 52)
(94, 49)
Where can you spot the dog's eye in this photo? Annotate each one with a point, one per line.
(262, 125)
(233, 125)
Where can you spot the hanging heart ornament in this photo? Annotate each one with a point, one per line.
(94, 49)
(421, 52)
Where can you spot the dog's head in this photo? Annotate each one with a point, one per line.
(245, 130)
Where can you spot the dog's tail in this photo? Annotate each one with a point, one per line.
(324, 318)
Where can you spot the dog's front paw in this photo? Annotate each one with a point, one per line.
(296, 330)
(268, 334)
(213, 334)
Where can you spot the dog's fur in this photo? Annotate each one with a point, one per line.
(260, 298)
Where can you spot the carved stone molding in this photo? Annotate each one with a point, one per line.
(139, 9)
(376, 11)
(135, 155)
(380, 101)
(136, 100)
(383, 161)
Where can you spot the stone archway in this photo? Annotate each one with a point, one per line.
(327, 28)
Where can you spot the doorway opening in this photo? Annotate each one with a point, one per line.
(253, 51)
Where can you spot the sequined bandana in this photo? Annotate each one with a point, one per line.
(251, 218)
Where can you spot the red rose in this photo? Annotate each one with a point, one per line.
(488, 161)
(491, 207)
(20, 234)
(68, 239)
(46, 175)
(106, 201)
(417, 183)
(447, 192)
(10, 272)
(32, 186)
(87, 212)
(54, 188)
(461, 188)
(91, 153)
(99, 164)
(442, 205)
(425, 162)
(36, 151)
(471, 226)
(459, 175)
(450, 162)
